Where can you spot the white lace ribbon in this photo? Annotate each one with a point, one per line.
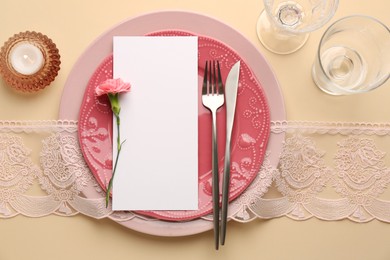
(330, 171)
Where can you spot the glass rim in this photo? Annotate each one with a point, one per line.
(372, 86)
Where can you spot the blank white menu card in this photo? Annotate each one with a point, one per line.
(158, 164)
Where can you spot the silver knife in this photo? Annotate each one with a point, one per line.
(231, 87)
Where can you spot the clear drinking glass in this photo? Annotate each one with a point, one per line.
(283, 27)
(353, 56)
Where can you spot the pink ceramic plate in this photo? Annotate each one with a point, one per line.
(249, 140)
(83, 70)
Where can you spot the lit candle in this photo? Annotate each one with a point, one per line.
(26, 58)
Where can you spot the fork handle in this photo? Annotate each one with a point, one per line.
(215, 180)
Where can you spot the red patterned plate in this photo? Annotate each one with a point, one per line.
(250, 133)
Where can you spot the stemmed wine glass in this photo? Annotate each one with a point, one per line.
(284, 26)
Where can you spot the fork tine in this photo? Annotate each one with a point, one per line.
(205, 80)
(211, 85)
(220, 85)
(214, 80)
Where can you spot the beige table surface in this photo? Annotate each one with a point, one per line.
(73, 25)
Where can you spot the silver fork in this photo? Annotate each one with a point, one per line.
(213, 98)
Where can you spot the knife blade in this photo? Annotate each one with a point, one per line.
(231, 87)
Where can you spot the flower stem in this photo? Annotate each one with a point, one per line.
(119, 148)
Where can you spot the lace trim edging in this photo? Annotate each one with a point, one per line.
(28, 126)
(345, 128)
(358, 175)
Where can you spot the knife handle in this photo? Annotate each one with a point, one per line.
(225, 186)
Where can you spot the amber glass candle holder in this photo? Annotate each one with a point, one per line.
(29, 61)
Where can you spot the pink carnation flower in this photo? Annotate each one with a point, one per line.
(112, 86)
